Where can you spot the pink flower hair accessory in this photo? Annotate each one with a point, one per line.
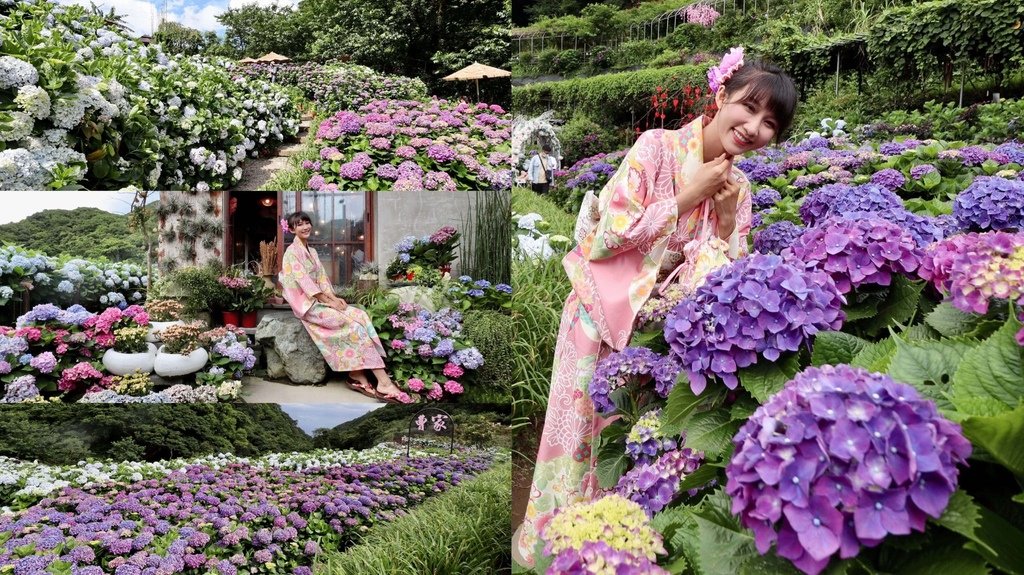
(717, 75)
(284, 226)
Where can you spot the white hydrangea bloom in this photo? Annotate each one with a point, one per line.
(34, 101)
(15, 73)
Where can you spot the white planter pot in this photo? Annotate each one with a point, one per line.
(155, 326)
(119, 363)
(176, 365)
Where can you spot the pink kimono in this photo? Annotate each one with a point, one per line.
(613, 272)
(347, 339)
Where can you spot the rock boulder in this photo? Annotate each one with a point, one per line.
(290, 351)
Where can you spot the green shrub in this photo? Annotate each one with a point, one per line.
(489, 331)
(613, 94)
(668, 58)
(540, 291)
(199, 288)
(689, 37)
(465, 531)
(568, 61)
(545, 60)
(823, 102)
(632, 54)
(581, 137)
(601, 57)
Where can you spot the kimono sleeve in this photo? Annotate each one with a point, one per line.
(630, 215)
(744, 216)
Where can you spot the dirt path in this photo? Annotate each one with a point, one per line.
(256, 172)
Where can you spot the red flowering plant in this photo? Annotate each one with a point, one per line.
(673, 109)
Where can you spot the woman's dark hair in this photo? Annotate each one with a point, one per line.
(296, 218)
(769, 86)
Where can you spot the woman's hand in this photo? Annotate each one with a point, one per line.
(709, 180)
(725, 207)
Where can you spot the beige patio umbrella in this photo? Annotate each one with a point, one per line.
(247, 60)
(273, 57)
(476, 72)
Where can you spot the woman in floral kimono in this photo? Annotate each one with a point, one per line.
(344, 334)
(649, 209)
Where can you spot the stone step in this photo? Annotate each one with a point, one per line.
(289, 150)
(305, 124)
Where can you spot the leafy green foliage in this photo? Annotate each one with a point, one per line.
(990, 379)
(929, 365)
(835, 347)
(386, 423)
(1002, 436)
(88, 233)
(62, 435)
(766, 378)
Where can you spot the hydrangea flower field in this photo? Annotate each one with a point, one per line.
(846, 399)
(216, 514)
(412, 145)
(84, 105)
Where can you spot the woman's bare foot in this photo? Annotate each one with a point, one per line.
(385, 386)
(360, 378)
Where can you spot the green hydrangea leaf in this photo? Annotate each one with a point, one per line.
(836, 347)
(990, 378)
(765, 378)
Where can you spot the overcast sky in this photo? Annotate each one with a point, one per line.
(19, 205)
(142, 16)
(312, 417)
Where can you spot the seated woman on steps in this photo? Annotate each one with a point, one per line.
(344, 334)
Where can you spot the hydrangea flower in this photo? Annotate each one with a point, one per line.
(918, 172)
(990, 203)
(645, 441)
(837, 199)
(598, 558)
(620, 523)
(759, 305)
(619, 369)
(765, 198)
(841, 458)
(776, 237)
(857, 252)
(974, 268)
(654, 485)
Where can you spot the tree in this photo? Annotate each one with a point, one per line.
(179, 39)
(254, 30)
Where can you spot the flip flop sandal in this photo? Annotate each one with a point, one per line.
(363, 388)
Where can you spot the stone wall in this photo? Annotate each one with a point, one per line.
(400, 214)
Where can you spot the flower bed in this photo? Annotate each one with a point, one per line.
(65, 281)
(53, 355)
(335, 87)
(93, 108)
(227, 519)
(411, 145)
(427, 353)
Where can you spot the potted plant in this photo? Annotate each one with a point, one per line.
(131, 352)
(255, 298)
(238, 288)
(163, 313)
(368, 276)
(181, 353)
(268, 263)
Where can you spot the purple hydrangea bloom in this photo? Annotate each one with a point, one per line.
(441, 153)
(44, 362)
(598, 557)
(889, 178)
(758, 169)
(765, 198)
(39, 314)
(655, 485)
(352, 170)
(387, 172)
(759, 305)
(858, 252)
(777, 237)
(990, 203)
(469, 358)
(1014, 151)
(918, 172)
(757, 219)
(973, 155)
(839, 459)
(619, 369)
(645, 441)
(837, 199)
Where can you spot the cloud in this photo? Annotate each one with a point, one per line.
(143, 16)
(313, 417)
(20, 205)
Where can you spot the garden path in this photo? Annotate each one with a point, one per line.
(259, 390)
(258, 171)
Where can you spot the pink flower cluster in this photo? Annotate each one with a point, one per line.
(233, 282)
(718, 75)
(83, 376)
